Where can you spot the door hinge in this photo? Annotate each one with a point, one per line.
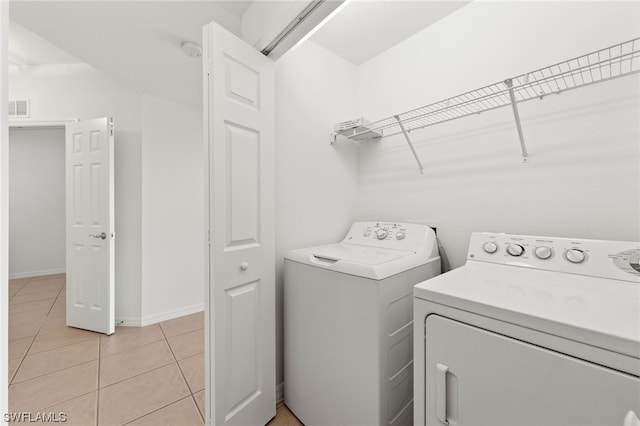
(209, 237)
(208, 67)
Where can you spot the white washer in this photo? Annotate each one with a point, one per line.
(531, 330)
(348, 324)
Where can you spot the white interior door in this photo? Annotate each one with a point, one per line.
(240, 313)
(90, 225)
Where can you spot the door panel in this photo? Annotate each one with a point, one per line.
(240, 315)
(477, 377)
(90, 225)
(243, 186)
(243, 331)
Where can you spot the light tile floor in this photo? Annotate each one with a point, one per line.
(139, 376)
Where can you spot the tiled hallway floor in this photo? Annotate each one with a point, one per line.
(138, 376)
(152, 375)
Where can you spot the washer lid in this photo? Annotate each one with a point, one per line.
(354, 253)
(364, 261)
(597, 311)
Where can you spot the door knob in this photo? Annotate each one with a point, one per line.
(102, 236)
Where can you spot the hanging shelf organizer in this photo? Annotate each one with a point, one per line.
(612, 62)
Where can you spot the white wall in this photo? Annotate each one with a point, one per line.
(316, 183)
(583, 178)
(172, 210)
(36, 202)
(79, 91)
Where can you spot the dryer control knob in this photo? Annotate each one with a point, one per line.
(515, 250)
(367, 232)
(575, 256)
(490, 247)
(400, 235)
(543, 252)
(382, 234)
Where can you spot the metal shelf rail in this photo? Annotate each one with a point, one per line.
(606, 64)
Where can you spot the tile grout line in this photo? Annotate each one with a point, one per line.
(182, 372)
(28, 282)
(193, 396)
(174, 357)
(133, 348)
(181, 334)
(52, 372)
(139, 374)
(11, 297)
(37, 332)
(62, 402)
(158, 409)
(180, 368)
(63, 346)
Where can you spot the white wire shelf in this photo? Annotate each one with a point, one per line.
(606, 64)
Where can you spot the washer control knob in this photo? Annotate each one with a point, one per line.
(367, 232)
(575, 256)
(515, 250)
(381, 234)
(400, 235)
(490, 247)
(543, 252)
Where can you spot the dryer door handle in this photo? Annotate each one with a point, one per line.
(441, 393)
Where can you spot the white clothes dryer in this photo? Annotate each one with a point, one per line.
(348, 356)
(530, 331)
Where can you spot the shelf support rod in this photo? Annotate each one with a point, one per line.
(516, 115)
(406, 136)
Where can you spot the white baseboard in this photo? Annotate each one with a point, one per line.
(280, 392)
(128, 321)
(41, 273)
(159, 317)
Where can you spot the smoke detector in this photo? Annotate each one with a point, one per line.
(192, 49)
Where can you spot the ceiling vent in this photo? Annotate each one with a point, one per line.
(19, 109)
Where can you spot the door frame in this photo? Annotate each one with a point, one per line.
(4, 207)
(55, 125)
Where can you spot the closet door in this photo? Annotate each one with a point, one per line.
(240, 314)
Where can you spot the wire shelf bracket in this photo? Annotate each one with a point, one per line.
(516, 115)
(606, 64)
(413, 151)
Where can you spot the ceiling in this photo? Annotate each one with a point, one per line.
(27, 48)
(135, 42)
(366, 28)
(138, 42)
